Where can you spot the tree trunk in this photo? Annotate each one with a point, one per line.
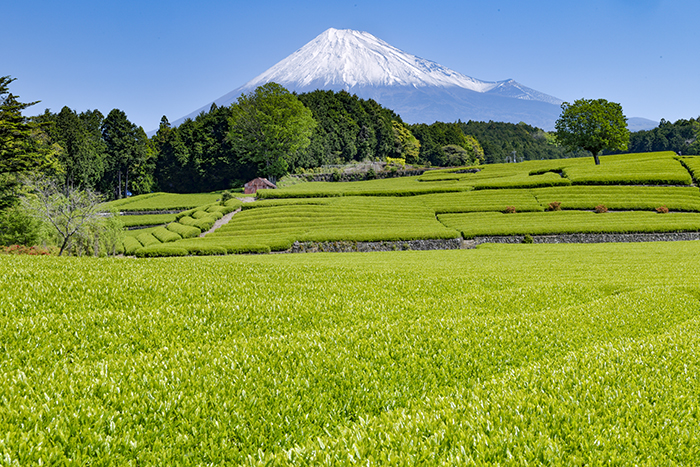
(63, 247)
(597, 159)
(119, 184)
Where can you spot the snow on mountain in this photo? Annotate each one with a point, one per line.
(345, 59)
(419, 90)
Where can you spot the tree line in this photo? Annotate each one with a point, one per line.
(270, 132)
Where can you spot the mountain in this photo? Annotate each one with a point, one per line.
(419, 90)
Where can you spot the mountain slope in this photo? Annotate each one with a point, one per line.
(419, 90)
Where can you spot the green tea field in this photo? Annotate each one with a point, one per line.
(645, 193)
(500, 355)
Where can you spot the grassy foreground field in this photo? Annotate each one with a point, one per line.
(503, 355)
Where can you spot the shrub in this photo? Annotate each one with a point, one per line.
(182, 214)
(554, 206)
(204, 223)
(510, 210)
(371, 175)
(165, 235)
(187, 220)
(225, 196)
(200, 214)
(528, 239)
(207, 250)
(27, 250)
(160, 250)
(601, 209)
(185, 231)
(662, 210)
(147, 239)
(131, 245)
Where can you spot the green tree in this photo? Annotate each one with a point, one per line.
(23, 144)
(406, 145)
(270, 127)
(127, 151)
(592, 125)
(82, 156)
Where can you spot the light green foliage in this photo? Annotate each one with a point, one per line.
(693, 166)
(147, 219)
(631, 169)
(164, 235)
(347, 218)
(406, 208)
(407, 147)
(163, 201)
(185, 231)
(147, 238)
(402, 186)
(561, 222)
(503, 355)
(131, 244)
(481, 200)
(643, 198)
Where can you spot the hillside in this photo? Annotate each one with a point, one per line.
(645, 193)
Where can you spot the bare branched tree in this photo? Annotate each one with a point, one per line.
(68, 210)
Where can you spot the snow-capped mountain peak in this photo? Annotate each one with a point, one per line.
(344, 58)
(419, 90)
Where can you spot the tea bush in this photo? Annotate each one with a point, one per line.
(408, 357)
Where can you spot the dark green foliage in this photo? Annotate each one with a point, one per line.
(196, 156)
(349, 128)
(500, 140)
(22, 147)
(83, 153)
(17, 227)
(680, 137)
(592, 125)
(440, 145)
(225, 196)
(129, 162)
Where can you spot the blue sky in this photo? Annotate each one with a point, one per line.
(155, 58)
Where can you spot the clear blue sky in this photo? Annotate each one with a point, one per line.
(155, 58)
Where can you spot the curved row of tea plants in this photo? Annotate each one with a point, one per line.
(520, 354)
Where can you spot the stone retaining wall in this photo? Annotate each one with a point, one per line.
(357, 176)
(349, 247)
(144, 213)
(588, 238)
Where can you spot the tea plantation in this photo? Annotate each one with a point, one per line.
(500, 355)
(645, 193)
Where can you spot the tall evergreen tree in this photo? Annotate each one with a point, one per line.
(23, 146)
(126, 149)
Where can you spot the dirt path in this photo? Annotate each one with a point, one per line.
(225, 220)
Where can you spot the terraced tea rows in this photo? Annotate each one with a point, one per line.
(444, 204)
